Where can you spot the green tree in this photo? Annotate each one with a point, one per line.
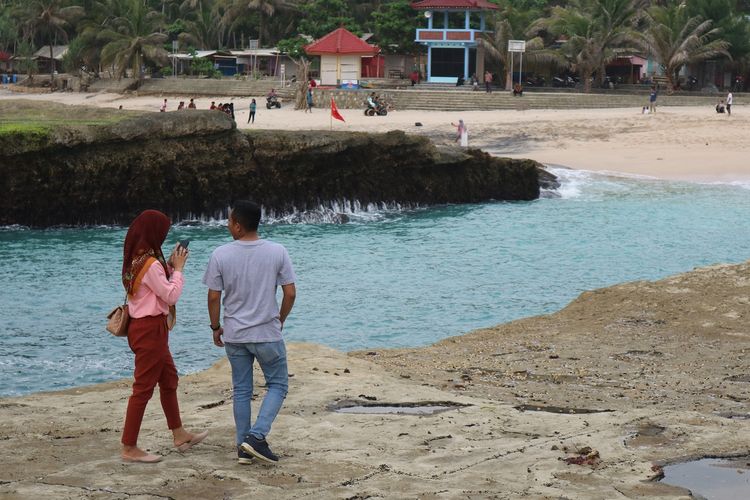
(513, 23)
(26, 63)
(133, 40)
(395, 25)
(262, 9)
(49, 19)
(323, 16)
(593, 29)
(675, 39)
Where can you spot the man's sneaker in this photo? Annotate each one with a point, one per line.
(259, 449)
(243, 458)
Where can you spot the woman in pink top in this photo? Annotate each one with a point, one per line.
(153, 288)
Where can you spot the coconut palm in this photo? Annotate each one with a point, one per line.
(130, 41)
(264, 9)
(511, 23)
(51, 20)
(676, 39)
(591, 30)
(203, 23)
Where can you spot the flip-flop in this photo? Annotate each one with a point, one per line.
(145, 459)
(197, 438)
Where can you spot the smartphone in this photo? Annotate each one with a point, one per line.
(184, 243)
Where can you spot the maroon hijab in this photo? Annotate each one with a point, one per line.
(145, 237)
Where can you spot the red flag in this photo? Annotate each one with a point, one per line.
(335, 111)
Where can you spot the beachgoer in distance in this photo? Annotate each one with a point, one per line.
(460, 81)
(462, 133)
(248, 271)
(474, 82)
(488, 81)
(181, 105)
(309, 100)
(730, 101)
(311, 83)
(253, 107)
(153, 285)
(372, 101)
(517, 89)
(163, 107)
(720, 106)
(213, 105)
(192, 104)
(652, 100)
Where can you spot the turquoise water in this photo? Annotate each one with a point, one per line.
(386, 279)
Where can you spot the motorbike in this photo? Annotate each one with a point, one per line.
(567, 81)
(273, 102)
(380, 109)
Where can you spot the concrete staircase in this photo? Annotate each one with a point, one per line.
(212, 87)
(467, 100)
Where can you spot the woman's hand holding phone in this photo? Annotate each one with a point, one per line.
(179, 257)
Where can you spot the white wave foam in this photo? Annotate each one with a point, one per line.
(333, 212)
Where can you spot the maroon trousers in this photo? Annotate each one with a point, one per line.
(149, 339)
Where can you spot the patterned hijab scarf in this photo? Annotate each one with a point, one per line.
(143, 242)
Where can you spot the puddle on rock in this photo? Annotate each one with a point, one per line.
(712, 478)
(416, 408)
(559, 409)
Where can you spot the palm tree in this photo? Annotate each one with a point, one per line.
(676, 39)
(514, 24)
(203, 23)
(50, 19)
(132, 40)
(591, 31)
(264, 9)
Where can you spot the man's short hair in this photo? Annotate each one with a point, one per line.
(247, 214)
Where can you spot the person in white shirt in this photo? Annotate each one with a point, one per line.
(729, 103)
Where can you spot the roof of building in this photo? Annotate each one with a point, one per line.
(341, 41)
(453, 4)
(58, 51)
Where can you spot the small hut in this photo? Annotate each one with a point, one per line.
(341, 53)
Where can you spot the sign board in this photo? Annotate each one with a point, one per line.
(283, 70)
(516, 45)
(175, 45)
(252, 44)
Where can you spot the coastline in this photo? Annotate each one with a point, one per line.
(676, 143)
(662, 378)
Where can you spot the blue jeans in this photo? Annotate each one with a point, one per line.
(272, 360)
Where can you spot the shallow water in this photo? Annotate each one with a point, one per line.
(712, 478)
(386, 279)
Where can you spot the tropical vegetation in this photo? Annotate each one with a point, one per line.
(581, 36)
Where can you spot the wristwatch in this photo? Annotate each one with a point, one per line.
(215, 328)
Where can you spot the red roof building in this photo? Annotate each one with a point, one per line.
(453, 5)
(341, 41)
(341, 53)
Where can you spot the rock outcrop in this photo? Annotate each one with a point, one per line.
(196, 163)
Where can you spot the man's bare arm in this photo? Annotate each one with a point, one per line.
(287, 302)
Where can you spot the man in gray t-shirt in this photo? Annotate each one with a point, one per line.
(248, 272)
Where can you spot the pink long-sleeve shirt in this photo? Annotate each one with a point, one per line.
(156, 292)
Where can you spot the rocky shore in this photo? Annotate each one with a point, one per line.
(194, 163)
(588, 402)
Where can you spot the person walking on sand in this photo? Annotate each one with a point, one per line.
(730, 99)
(652, 100)
(253, 107)
(248, 271)
(488, 82)
(153, 285)
(309, 100)
(163, 107)
(462, 133)
(192, 104)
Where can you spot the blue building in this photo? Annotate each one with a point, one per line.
(453, 29)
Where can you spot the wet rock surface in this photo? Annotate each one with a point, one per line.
(195, 163)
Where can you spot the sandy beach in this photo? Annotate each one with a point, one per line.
(684, 143)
